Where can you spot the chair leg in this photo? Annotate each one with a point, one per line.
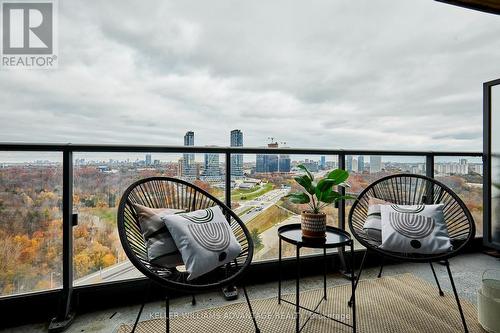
(193, 300)
(251, 311)
(381, 268)
(441, 293)
(144, 300)
(359, 275)
(167, 314)
(466, 330)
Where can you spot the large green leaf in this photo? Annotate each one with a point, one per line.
(298, 198)
(325, 184)
(303, 168)
(306, 183)
(333, 197)
(338, 175)
(330, 197)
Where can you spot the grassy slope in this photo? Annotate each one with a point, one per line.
(268, 218)
(252, 194)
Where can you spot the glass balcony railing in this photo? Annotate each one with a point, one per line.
(30, 222)
(42, 186)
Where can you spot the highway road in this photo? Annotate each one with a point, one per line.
(259, 204)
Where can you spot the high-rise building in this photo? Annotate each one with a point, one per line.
(272, 163)
(180, 167)
(237, 159)
(267, 162)
(322, 162)
(211, 170)
(361, 164)
(260, 163)
(148, 159)
(284, 163)
(348, 163)
(189, 167)
(189, 138)
(375, 164)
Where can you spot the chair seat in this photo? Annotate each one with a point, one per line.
(166, 192)
(409, 189)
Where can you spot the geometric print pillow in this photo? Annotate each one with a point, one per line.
(161, 248)
(204, 239)
(414, 229)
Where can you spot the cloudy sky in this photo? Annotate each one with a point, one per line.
(364, 74)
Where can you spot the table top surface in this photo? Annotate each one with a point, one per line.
(335, 237)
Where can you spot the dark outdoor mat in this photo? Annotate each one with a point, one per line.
(401, 303)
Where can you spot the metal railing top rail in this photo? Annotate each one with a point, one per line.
(119, 148)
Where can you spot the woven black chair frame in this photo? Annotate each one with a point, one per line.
(166, 192)
(410, 189)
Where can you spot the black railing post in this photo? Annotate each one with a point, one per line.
(341, 203)
(65, 315)
(228, 179)
(228, 291)
(429, 165)
(341, 214)
(429, 172)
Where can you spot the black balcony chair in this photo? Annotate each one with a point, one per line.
(164, 192)
(409, 189)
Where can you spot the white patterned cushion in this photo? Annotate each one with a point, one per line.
(414, 229)
(204, 239)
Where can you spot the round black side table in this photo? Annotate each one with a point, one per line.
(335, 238)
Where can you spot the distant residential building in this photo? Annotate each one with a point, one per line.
(355, 165)
(103, 168)
(361, 164)
(348, 163)
(476, 168)
(415, 169)
(284, 163)
(237, 159)
(148, 159)
(418, 168)
(312, 166)
(331, 165)
(375, 163)
(452, 168)
(189, 167)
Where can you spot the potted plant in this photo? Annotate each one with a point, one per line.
(317, 195)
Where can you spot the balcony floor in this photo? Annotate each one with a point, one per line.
(467, 270)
